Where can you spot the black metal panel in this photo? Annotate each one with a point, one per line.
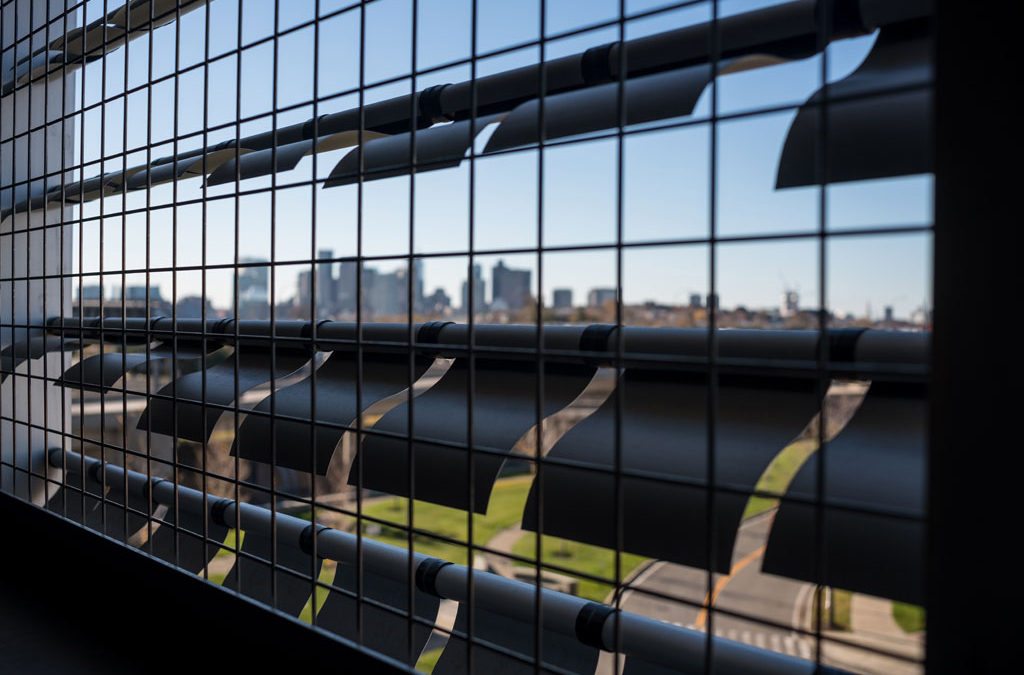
(335, 399)
(504, 409)
(664, 436)
(874, 506)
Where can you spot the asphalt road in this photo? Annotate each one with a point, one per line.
(782, 603)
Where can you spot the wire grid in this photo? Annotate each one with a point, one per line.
(56, 224)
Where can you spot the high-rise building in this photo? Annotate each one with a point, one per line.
(191, 307)
(561, 298)
(598, 297)
(889, 314)
(696, 302)
(478, 288)
(326, 290)
(418, 296)
(304, 289)
(510, 288)
(345, 286)
(437, 302)
(253, 289)
(137, 293)
(131, 301)
(384, 293)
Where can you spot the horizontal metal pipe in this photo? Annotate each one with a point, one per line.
(638, 636)
(791, 30)
(91, 42)
(875, 351)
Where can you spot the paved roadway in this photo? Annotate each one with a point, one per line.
(772, 599)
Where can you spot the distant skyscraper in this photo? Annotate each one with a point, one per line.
(131, 300)
(418, 297)
(695, 301)
(326, 291)
(599, 296)
(345, 286)
(479, 288)
(253, 290)
(510, 288)
(384, 293)
(561, 298)
(437, 302)
(191, 307)
(138, 293)
(304, 290)
(889, 314)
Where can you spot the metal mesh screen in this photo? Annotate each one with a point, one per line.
(543, 336)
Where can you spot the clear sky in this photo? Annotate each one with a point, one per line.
(666, 186)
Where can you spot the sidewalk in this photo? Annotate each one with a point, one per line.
(873, 628)
(503, 543)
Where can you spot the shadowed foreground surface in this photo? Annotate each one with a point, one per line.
(73, 602)
(43, 638)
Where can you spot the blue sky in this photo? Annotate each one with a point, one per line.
(666, 188)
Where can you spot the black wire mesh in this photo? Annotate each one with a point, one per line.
(224, 215)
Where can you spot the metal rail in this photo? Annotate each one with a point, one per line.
(638, 636)
(865, 352)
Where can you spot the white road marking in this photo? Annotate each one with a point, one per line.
(800, 606)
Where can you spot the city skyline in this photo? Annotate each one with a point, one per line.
(666, 190)
(506, 292)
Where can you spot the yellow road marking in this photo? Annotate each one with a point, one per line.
(723, 582)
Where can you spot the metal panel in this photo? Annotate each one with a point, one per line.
(184, 406)
(873, 513)
(504, 408)
(335, 401)
(877, 121)
(664, 436)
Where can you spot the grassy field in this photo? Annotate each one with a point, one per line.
(505, 510)
(217, 568)
(840, 614)
(908, 617)
(580, 558)
(428, 660)
(779, 475)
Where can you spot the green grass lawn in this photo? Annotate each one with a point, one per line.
(580, 558)
(908, 617)
(231, 542)
(428, 660)
(779, 475)
(840, 612)
(505, 510)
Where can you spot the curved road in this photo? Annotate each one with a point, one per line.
(762, 597)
